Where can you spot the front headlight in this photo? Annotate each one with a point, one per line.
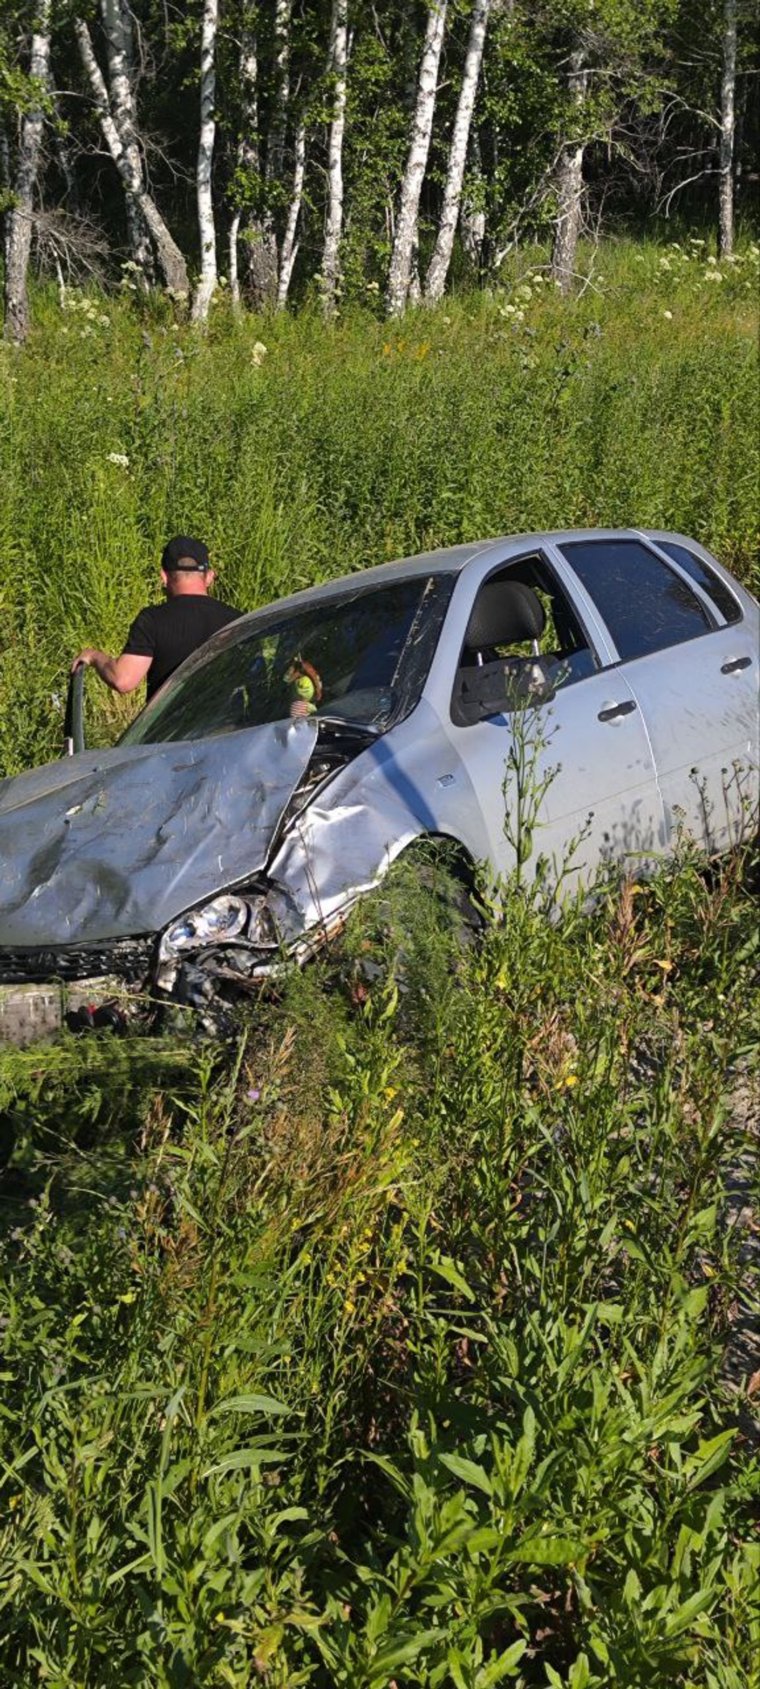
(223, 919)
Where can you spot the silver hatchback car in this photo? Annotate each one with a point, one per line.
(277, 774)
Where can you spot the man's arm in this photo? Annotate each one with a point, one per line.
(122, 673)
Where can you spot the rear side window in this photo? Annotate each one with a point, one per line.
(705, 577)
(646, 606)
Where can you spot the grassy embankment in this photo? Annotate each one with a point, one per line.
(388, 1347)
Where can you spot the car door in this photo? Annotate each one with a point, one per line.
(579, 765)
(694, 680)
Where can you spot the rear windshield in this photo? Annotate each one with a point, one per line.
(362, 657)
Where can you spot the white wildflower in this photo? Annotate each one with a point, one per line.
(713, 275)
(258, 354)
(119, 458)
(711, 260)
(668, 315)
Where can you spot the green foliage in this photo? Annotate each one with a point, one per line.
(337, 447)
(387, 1346)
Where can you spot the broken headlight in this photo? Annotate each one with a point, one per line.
(223, 920)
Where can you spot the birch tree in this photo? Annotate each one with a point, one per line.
(170, 259)
(334, 219)
(727, 131)
(18, 231)
(402, 256)
(289, 250)
(248, 161)
(570, 181)
(208, 280)
(438, 268)
(117, 27)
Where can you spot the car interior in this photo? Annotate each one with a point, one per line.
(523, 641)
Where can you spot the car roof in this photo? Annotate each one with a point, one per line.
(449, 560)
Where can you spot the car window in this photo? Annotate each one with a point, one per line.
(365, 657)
(497, 679)
(705, 577)
(646, 606)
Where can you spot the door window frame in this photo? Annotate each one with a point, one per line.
(579, 603)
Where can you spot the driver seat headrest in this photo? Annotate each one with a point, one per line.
(504, 613)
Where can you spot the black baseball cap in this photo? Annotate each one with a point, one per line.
(175, 556)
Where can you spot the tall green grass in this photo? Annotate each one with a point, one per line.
(302, 450)
(387, 1349)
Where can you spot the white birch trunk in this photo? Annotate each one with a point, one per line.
(438, 268)
(570, 186)
(289, 251)
(276, 145)
(234, 273)
(170, 259)
(406, 223)
(334, 223)
(117, 26)
(247, 147)
(209, 278)
(5, 185)
(727, 131)
(19, 221)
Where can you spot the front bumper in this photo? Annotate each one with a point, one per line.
(40, 990)
(29, 1013)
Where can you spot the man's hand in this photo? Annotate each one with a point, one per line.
(122, 673)
(85, 658)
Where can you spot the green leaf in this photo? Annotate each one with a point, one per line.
(547, 1551)
(503, 1666)
(251, 1404)
(246, 1459)
(447, 1269)
(468, 1471)
(398, 1655)
(682, 1617)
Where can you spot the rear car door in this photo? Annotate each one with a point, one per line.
(693, 675)
(584, 752)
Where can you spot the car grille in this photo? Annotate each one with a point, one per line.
(127, 958)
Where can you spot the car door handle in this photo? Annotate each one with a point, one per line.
(735, 664)
(612, 711)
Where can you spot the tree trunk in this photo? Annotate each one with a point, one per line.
(18, 236)
(570, 185)
(727, 131)
(438, 268)
(117, 27)
(5, 189)
(207, 284)
(276, 142)
(406, 222)
(334, 224)
(472, 217)
(289, 242)
(262, 258)
(170, 259)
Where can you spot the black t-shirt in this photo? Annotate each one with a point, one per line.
(168, 632)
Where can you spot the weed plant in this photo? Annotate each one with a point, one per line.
(388, 1348)
(301, 449)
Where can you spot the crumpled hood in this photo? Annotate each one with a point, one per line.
(112, 844)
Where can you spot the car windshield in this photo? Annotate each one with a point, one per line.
(361, 658)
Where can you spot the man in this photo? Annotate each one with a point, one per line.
(163, 635)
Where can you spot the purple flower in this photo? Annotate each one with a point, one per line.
(253, 1095)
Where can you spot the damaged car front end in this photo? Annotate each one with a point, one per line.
(186, 864)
